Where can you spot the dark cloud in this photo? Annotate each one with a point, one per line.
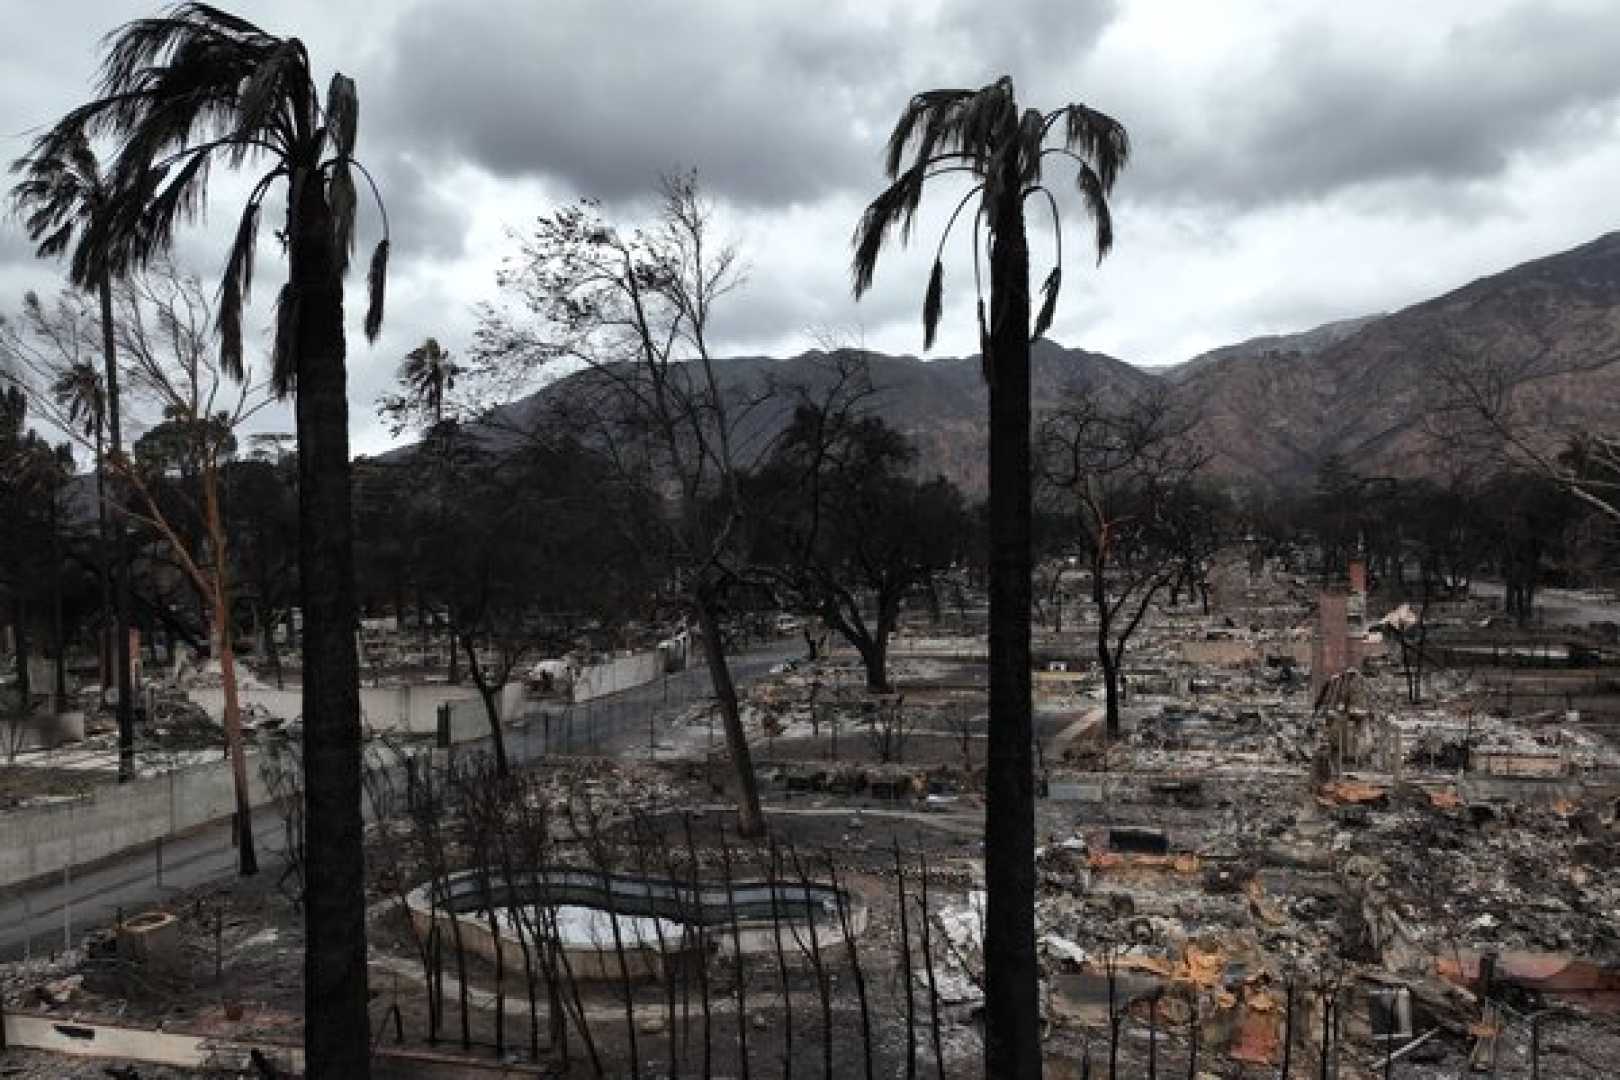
(606, 99)
(1287, 155)
(1038, 42)
(425, 221)
(1321, 110)
(773, 108)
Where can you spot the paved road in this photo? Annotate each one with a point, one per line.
(42, 919)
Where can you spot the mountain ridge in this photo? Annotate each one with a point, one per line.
(1272, 408)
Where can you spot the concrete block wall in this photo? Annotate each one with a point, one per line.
(386, 708)
(283, 704)
(468, 720)
(46, 839)
(621, 673)
(420, 705)
(409, 709)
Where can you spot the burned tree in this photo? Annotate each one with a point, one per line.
(65, 199)
(1196, 531)
(1501, 405)
(513, 542)
(983, 136)
(856, 533)
(163, 327)
(33, 475)
(173, 485)
(192, 87)
(635, 307)
(1117, 473)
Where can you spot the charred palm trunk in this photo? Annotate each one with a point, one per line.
(120, 552)
(1012, 1012)
(19, 621)
(336, 1028)
(58, 626)
(104, 552)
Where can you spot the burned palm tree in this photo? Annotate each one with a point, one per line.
(179, 93)
(65, 202)
(82, 396)
(982, 135)
(425, 376)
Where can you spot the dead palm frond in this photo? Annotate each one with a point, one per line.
(176, 93)
(82, 396)
(427, 372)
(425, 376)
(982, 133)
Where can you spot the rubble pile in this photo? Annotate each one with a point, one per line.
(1259, 825)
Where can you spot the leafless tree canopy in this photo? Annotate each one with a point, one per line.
(1118, 476)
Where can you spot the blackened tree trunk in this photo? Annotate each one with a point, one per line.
(19, 622)
(120, 548)
(876, 655)
(1110, 670)
(1012, 1008)
(842, 612)
(336, 1028)
(492, 710)
(1105, 655)
(453, 676)
(750, 822)
(875, 658)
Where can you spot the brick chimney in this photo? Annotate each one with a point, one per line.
(1330, 652)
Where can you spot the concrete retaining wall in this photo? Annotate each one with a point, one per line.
(468, 720)
(282, 704)
(46, 839)
(43, 840)
(115, 818)
(409, 709)
(417, 707)
(621, 673)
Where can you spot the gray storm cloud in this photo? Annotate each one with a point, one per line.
(1288, 156)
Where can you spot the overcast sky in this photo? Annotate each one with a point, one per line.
(1294, 162)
